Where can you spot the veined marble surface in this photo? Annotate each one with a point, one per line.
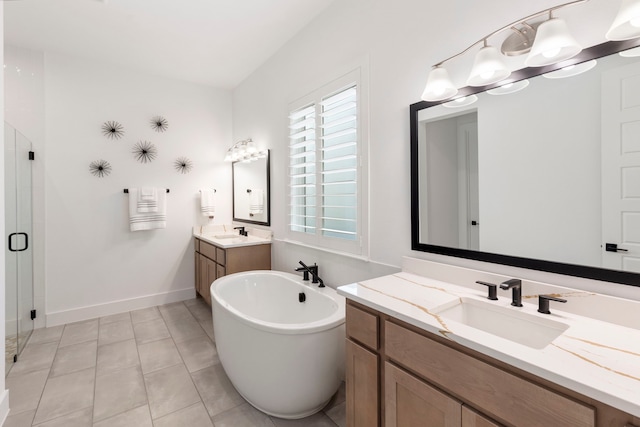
(225, 236)
(596, 358)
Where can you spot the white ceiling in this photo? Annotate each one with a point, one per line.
(212, 42)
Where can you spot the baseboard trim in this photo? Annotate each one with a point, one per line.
(4, 407)
(115, 307)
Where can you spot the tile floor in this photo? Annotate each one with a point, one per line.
(152, 367)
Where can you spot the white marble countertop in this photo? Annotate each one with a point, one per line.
(598, 359)
(225, 236)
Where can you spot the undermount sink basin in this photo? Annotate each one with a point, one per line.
(505, 322)
(227, 236)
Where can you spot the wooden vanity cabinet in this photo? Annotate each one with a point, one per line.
(362, 368)
(213, 262)
(426, 380)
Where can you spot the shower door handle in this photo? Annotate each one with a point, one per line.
(26, 242)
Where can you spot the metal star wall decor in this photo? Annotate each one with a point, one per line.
(100, 168)
(183, 165)
(144, 151)
(112, 130)
(159, 124)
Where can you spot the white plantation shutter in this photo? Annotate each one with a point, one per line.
(327, 197)
(302, 170)
(339, 165)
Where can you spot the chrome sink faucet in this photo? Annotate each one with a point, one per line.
(516, 291)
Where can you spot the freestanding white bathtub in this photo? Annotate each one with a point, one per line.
(285, 357)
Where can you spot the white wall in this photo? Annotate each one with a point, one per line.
(94, 264)
(399, 41)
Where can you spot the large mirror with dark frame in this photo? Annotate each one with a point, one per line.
(251, 194)
(545, 178)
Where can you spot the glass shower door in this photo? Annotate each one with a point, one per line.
(18, 250)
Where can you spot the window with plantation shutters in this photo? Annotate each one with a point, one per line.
(339, 164)
(325, 188)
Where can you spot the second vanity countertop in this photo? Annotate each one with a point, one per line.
(598, 359)
(225, 236)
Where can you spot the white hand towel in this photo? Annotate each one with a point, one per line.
(147, 220)
(148, 199)
(208, 201)
(256, 201)
(147, 193)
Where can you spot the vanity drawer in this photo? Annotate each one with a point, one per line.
(208, 250)
(501, 395)
(221, 256)
(362, 326)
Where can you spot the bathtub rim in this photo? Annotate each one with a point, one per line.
(334, 320)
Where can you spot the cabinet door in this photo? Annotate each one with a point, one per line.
(471, 418)
(363, 402)
(410, 402)
(210, 276)
(196, 259)
(220, 271)
(202, 274)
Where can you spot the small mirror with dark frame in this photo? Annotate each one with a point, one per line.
(251, 192)
(539, 173)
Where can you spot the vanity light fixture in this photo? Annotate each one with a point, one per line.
(461, 102)
(488, 67)
(509, 88)
(626, 25)
(546, 43)
(553, 43)
(571, 70)
(244, 151)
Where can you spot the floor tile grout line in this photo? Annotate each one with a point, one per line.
(117, 370)
(95, 376)
(185, 365)
(191, 373)
(48, 376)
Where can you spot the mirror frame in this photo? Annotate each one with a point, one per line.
(268, 194)
(584, 271)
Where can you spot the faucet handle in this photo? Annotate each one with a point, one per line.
(543, 303)
(493, 289)
(305, 273)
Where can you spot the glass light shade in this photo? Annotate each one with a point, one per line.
(509, 88)
(439, 86)
(228, 157)
(488, 68)
(571, 70)
(251, 147)
(461, 102)
(627, 23)
(630, 53)
(553, 43)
